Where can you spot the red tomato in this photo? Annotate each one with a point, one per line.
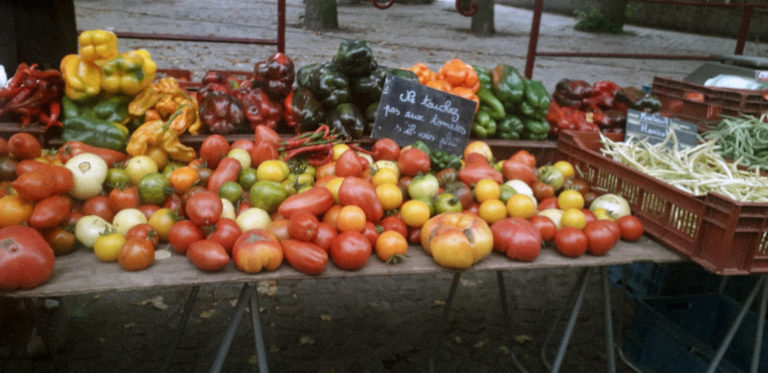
(183, 234)
(227, 170)
(348, 164)
(615, 229)
(350, 250)
(542, 190)
(136, 254)
(143, 231)
(631, 228)
(305, 257)
(524, 157)
(394, 223)
(571, 242)
(213, 149)
(547, 228)
(226, 233)
(174, 203)
(371, 232)
(279, 227)
(521, 171)
(61, 241)
(148, 210)
(26, 259)
(29, 165)
(414, 235)
(600, 237)
(517, 238)
(208, 255)
(413, 161)
(99, 205)
(548, 203)
(245, 144)
(3, 147)
(386, 149)
(22, 145)
(302, 226)
(121, 199)
(50, 212)
(325, 235)
(589, 215)
(204, 208)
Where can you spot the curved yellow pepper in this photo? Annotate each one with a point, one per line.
(166, 97)
(128, 73)
(97, 46)
(155, 133)
(81, 78)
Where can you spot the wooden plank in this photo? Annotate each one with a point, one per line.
(81, 272)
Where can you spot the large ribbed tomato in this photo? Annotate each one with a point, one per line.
(26, 259)
(456, 239)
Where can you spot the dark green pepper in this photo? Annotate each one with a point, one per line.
(493, 105)
(370, 114)
(98, 124)
(347, 121)
(441, 160)
(484, 126)
(400, 73)
(484, 77)
(367, 88)
(535, 99)
(535, 128)
(354, 58)
(307, 109)
(509, 128)
(508, 85)
(303, 74)
(329, 84)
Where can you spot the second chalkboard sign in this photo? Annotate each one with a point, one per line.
(409, 111)
(655, 128)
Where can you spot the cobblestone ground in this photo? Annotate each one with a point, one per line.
(376, 324)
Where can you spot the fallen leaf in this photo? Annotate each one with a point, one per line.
(468, 283)
(207, 314)
(479, 344)
(325, 317)
(162, 254)
(156, 302)
(306, 340)
(522, 339)
(267, 287)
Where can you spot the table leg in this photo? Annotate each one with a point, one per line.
(505, 315)
(261, 351)
(760, 325)
(571, 322)
(221, 355)
(182, 325)
(735, 326)
(444, 320)
(570, 301)
(608, 320)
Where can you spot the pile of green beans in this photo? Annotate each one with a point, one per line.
(743, 139)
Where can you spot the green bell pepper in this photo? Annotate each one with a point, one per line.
(441, 160)
(535, 128)
(418, 144)
(100, 124)
(329, 84)
(354, 58)
(535, 99)
(509, 128)
(492, 104)
(307, 108)
(303, 74)
(508, 85)
(400, 73)
(484, 76)
(484, 126)
(346, 120)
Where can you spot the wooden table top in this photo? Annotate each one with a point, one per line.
(81, 272)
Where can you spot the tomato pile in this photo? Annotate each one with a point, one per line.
(244, 202)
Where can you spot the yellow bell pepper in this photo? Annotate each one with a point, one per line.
(128, 73)
(97, 46)
(166, 98)
(158, 133)
(81, 78)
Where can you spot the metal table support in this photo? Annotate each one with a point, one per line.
(576, 298)
(182, 324)
(229, 335)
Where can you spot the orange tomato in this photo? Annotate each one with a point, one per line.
(351, 218)
(183, 178)
(279, 227)
(327, 169)
(14, 210)
(391, 247)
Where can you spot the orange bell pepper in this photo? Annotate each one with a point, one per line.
(459, 74)
(423, 72)
(467, 93)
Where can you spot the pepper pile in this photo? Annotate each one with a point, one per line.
(343, 93)
(511, 107)
(601, 106)
(33, 94)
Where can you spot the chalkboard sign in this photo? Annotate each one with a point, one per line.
(655, 128)
(409, 111)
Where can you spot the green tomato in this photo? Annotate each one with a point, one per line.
(425, 185)
(551, 175)
(506, 192)
(267, 195)
(117, 177)
(231, 191)
(447, 202)
(153, 188)
(138, 166)
(247, 178)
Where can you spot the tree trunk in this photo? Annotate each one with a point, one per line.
(614, 10)
(320, 14)
(482, 21)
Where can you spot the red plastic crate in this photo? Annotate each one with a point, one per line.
(676, 100)
(722, 235)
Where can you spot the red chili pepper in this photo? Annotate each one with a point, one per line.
(306, 149)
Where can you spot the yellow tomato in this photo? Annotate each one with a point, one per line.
(338, 150)
(521, 206)
(384, 176)
(138, 166)
(492, 211)
(390, 196)
(570, 199)
(602, 214)
(566, 168)
(573, 217)
(415, 213)
(107, 247)
(158, 155)
(162, 220)
(487, 189)
(333, 186)
(272, 170)
(478, 146)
